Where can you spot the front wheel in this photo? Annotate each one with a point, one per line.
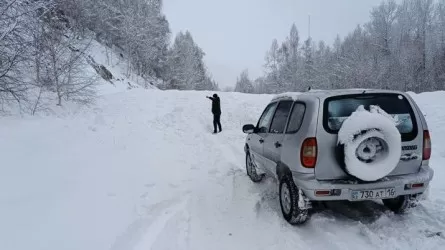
(290, 197)
(251, 170)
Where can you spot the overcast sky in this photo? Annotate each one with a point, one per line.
(235, 34)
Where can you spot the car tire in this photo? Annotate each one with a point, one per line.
(290, 195)
(251, 170)
(401, 204)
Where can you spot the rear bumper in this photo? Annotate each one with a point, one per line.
(308, 184)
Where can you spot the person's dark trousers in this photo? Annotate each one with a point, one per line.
(216, 122)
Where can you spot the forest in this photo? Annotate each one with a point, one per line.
(402, 47)
(43, 45)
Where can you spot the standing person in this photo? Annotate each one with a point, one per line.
(216, 110)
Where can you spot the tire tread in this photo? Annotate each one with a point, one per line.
(297, 216)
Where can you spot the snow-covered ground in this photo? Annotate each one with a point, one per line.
(141, 170)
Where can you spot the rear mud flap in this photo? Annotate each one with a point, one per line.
(303, 202)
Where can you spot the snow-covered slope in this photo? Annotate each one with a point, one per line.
(95, 56)
(117, 64)
(142, 170)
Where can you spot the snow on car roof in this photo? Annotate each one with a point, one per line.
(323, 93)
(287, 95)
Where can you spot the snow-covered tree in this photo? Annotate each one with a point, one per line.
(243, 83)
(62, 61)
(309, 70)
(136, 27)
(401, 47)
(439, 56)
(186, 69)
(294, 54)
(15, 43)
(272, 67)
(260, 86)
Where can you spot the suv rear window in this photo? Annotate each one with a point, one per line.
(338, 108)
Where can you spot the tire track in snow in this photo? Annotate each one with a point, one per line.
(142, 233)
(158, 226)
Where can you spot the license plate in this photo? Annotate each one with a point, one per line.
(371, 194)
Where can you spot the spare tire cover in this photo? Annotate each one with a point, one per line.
(372, 144)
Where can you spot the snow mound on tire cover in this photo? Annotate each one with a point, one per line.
(379, 124)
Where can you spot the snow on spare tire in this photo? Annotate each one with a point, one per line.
(372, 143)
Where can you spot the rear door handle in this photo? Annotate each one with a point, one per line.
(261, 140)
(277, 144)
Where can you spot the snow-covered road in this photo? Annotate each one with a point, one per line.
(142, 170)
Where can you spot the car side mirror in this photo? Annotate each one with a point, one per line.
(249, 129)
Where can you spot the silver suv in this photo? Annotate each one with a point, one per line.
(297, 142)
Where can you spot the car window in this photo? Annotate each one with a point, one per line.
(296, 118)
(339, 108)
(280, 117)
(266, 118)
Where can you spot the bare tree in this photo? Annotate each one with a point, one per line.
(64, 67)
(16, 47)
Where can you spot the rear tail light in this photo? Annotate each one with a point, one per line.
(328, 192)
(414, 186)
(417, 185)
(308, 153)
(426, 145)
(322, 192)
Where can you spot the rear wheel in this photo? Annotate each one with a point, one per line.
(290, 199)
(251, 170)
(401, 204)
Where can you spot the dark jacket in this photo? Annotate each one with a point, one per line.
(216, 106)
